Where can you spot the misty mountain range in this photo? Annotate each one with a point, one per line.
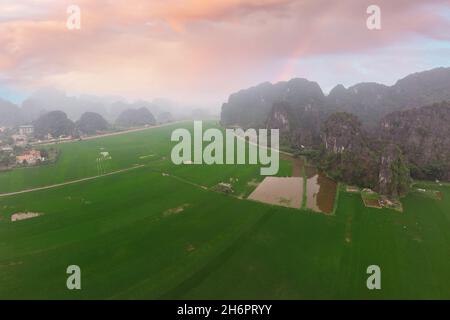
(109, 107)
(370, 135)
(368, 101)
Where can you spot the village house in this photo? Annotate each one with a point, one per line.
(30, 157)
(27, 130)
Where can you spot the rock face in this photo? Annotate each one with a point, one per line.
(252, 107)
(299, 127)
(423, 135)
(348, 155)
(354, 157)
(368, 101)
(408, 143)
(342, 132)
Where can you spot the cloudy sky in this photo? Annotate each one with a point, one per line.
(200, 51)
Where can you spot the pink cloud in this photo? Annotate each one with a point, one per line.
(195, 48)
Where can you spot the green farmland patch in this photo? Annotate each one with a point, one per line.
(160, 232)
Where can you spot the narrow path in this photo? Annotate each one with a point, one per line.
(2, 195)
(109, 134)
(94, 177)
(185, 181)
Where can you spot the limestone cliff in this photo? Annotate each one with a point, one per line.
(423, 135)
(347, 152)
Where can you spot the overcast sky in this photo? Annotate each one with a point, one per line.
(200, 51)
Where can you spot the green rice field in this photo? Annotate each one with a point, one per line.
(159, 231)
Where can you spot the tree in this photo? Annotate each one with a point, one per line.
(5, 159)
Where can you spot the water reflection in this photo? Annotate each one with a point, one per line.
(320, 190)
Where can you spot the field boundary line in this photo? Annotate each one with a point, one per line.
(217, 260)
(3, 195)
(105, 135)
(187, 181)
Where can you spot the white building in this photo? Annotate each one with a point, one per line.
(26, 130)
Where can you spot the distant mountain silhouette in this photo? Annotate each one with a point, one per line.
(135, 117)
(91, 123)
(369, 101)
(55, 123)
(10, 114)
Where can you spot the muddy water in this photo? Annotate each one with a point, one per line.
(321, 191)
(280, 191)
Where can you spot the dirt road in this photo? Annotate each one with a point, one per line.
(108, 134)
(2, 195)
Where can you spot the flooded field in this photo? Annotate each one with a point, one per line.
(282, 191)
(321, 191)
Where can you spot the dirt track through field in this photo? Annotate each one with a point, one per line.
(94, 177)
(109, 134)
(68, 182)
